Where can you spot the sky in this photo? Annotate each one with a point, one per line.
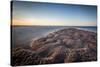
(53, 14)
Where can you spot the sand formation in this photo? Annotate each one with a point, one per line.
(62, 46)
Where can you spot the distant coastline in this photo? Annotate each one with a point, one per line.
(48, 25)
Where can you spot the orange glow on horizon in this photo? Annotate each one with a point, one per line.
(47, 22)
(21, 22)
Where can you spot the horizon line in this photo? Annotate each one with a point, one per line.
(50, 25)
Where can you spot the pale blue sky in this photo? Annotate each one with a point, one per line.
(35, 13)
